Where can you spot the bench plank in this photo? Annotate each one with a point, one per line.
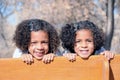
(94, 68)
(115, 68)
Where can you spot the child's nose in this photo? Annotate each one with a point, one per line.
(39, 46)
(84, 44)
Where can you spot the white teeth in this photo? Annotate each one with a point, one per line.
(84, 51)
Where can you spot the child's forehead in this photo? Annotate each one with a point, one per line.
(84, 32)
(84, 29)
(39, 34)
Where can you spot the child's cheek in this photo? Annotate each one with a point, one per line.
(31, 49)
(76, 48)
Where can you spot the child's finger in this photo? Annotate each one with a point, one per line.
(112, 55)
(107, 55)
(52, 58)
(45, 59)
(102, 53)
(31, 58)
(27, 58)
(48, 58)
(72, 58)
(65, 55)
(23, 58)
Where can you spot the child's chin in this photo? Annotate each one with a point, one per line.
(39, 58)
(84, 57)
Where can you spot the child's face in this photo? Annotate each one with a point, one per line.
(39, 44)
(84, 43)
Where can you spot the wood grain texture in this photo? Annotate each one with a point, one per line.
(115, 68)
(94, 68)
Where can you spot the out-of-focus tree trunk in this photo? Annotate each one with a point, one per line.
(117, 5)
(110, 26)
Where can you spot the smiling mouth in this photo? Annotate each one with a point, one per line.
(84, 51)
(39, 54)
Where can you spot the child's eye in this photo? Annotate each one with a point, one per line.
(88, 40)
(77, 41)
(45, 42)
(33, 42)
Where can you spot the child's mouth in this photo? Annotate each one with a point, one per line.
(39, 54)
(84, 52)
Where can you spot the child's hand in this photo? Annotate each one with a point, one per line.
(48, 58)
(27, 58)
(70, 56)
(109, 55)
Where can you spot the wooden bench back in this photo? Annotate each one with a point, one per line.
(115, 68)
(94, 68)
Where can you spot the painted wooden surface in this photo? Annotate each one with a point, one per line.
(115, 68)
(94, 68)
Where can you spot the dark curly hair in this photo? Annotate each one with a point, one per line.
(23, 34)
(68, 34)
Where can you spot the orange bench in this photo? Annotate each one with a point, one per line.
(95, 68)
(115, 68)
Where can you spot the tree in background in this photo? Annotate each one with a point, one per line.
(57, 12)
(110, 24)
(6, 10)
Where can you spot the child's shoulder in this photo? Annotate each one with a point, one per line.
(99, 50)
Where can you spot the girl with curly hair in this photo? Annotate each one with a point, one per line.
(38, 38)
(83, 38)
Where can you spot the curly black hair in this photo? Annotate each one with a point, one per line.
(68, 34)
(23, 34)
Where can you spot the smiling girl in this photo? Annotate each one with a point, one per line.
(83, 38)
(38, 38)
